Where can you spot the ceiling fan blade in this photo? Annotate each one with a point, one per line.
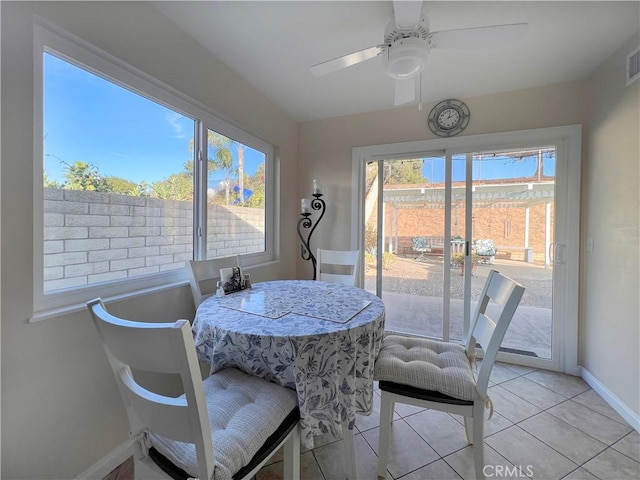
(407, 13)
(346, 60)
(481, 37)
(405, 91)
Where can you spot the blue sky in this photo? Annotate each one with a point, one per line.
(89, 119)
(493, 168)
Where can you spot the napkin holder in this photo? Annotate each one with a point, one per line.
(232, 279)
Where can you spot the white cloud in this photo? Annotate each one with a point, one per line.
(174, 122)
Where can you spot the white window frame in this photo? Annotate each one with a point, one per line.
(52, 39)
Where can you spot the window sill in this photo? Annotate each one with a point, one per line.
(45, 314)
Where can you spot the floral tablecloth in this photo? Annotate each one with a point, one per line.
(320, 339)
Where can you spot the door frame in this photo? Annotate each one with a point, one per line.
(568, 143)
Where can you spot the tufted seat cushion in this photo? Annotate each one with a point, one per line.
(243, 413)
(427, 365)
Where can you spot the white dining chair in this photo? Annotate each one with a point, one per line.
(342, 259)
(204, 276)
(225, 427)
(439, 375)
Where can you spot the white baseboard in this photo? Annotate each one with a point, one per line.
(614, 402)
(106, 465)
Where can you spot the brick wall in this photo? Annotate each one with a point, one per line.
(92, 237)
(505, 226)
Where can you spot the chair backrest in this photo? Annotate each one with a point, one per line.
(349, 258)
(204, 276)
(491, 320)
(485, 246)
(421, 244)
(163, 348)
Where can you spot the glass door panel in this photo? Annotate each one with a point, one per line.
(513, 232)
(411, 243)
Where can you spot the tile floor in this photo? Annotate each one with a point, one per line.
(545, 426)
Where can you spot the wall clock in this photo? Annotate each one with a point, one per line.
(449, 118)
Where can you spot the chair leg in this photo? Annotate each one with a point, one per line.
(478, 438)
(468, 428)
(386, 417)
(350, 450)
(292, 455)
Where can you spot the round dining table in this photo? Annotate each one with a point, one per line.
(320, 339)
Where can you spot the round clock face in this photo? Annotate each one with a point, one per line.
(448, 118)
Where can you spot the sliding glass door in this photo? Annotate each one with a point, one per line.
(434, 224)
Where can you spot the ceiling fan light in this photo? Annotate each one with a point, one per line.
(407, 57)
(404, 67)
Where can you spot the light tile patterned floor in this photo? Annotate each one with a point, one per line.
(549, 425)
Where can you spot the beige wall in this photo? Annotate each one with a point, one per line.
(61, 412)
(609, 311)
(325, 145)
(610, 308)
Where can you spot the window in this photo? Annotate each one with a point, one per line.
(235, 197)
(135, 180)
(118, 181)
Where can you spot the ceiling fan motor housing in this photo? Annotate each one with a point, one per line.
(407, 57)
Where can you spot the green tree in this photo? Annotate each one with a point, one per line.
(129, 187)
(398, 172)
(47, 182)
(143, 189)
(223, 160)
(179, 186)
(84, 176)
(124, 186)
(404, 172)
(256, 183)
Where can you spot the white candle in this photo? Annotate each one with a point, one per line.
(316, 187)
(305, 205)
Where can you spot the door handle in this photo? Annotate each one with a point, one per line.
(558, 254)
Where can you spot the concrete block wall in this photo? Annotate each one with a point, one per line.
(92, 237)
(234, 230)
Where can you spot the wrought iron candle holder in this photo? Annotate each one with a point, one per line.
(316, 203)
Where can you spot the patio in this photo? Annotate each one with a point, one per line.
(412, 291)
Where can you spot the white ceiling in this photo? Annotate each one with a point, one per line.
(273, 44)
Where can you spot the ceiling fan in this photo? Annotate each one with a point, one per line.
(407, 42)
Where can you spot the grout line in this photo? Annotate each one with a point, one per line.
(622, 453)
(623, 422)
(451, 466)
(315, 459)
(578, 468)
(606, 447)
(594, 411)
